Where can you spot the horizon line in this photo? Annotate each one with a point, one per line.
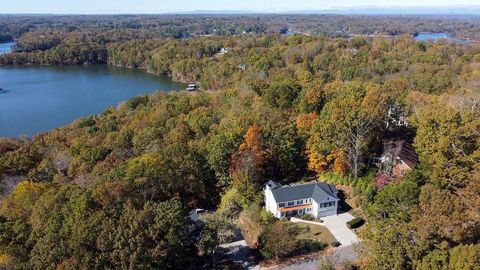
(370, 10)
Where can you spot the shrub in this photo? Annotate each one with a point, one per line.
(279, 240)
(355, 223)
(313, 245)
(252, 222)
(87, 122)
(307, 217)
(336, 244)
(310, 218)
(134, 102)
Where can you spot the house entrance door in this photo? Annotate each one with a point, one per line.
(292, 213)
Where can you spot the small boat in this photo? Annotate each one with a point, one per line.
(193, 86)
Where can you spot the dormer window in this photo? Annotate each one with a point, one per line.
(291, 203)
(281, 205)
(299, 202)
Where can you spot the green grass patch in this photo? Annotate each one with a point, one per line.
(314, 232)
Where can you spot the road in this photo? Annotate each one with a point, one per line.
(239, 253)
(340, 255)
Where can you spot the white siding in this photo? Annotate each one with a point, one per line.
(272, 206)
(315, 209)
(270, 203)
(329, 210)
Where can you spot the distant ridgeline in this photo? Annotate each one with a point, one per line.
(72, 40)
(126, 27)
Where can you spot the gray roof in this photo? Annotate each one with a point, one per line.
(317, 191)
(273, 184)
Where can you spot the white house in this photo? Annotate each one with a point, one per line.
(317, 199)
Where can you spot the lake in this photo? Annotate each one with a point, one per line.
(6, 47)
(436, 36)
(41, 98)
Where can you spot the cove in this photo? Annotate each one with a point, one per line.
(6, 47)
(437, 36)
(40, 98)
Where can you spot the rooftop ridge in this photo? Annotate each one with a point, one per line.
(303, 190)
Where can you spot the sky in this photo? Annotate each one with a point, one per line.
(178, 6)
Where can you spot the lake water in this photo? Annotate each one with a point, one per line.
(6, 47)
(436, 36)
(40, 98)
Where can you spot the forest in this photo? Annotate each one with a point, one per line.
(120, 27)
(113, 191)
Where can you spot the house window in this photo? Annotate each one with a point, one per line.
(291, 203)
(281, 204)
(300, 202)
(282, 214)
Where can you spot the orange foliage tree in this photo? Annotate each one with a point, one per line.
(316, 161)
(305, 122)
(340, 163)
(250, 158)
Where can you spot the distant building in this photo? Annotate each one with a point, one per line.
(316, 199)
(222, 51)
(398, 158)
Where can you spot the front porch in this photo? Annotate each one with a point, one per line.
(299, 210)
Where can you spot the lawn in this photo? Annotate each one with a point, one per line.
(315, 232)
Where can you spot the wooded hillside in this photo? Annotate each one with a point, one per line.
(112, 190)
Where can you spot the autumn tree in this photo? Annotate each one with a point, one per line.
(273, 243)
(459, 257)
(447, 140)
(348, 122)
(248, 163)
(252, 221)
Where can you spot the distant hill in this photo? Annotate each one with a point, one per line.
(367, 10)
